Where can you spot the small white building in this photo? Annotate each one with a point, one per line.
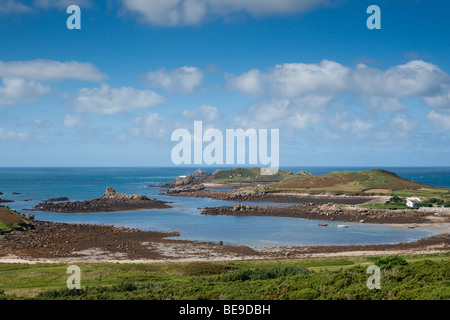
(412, 202)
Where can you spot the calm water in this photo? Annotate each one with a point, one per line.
(38, 184)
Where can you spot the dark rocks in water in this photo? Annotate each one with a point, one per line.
(57, 199)
(6, 201)
(15, 193)
(1, 193)
(109, 202)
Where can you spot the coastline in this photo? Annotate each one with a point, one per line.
(51, 242)
(331, 212)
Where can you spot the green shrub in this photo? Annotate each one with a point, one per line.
(262, 274)
(304, 294)
(205, 268)
(390, 262)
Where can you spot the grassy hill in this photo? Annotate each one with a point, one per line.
(11, 220)
(374, 181)
(253, 175)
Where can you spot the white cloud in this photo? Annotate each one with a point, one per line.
(13, 7)
(205, 112)
(356, 126)
(11, 135)
(16, 91)
(403, 123)
(72, 121)
(182, 80)
(285, 114)
(442, 99)
(439, 120)
(304, 121)
(46, 4)
(107, 100)
(294, 79)
(151, 125)
(379, 90)
(50, 70)
(249, 83)
(383, 104)
(415, 78)
(192, 12)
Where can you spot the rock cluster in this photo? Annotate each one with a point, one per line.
(199, 173)
(110, 201)
(186, 188)
(324, 212)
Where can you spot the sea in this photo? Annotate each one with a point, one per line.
(29, 186)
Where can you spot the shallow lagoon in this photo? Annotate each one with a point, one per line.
(80, 184)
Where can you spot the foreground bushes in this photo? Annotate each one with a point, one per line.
(399, 280)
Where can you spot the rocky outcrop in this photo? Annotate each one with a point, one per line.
(185, 188)
(6, 201)
(60, 199)
(199, 173)
(109, 202)
(327, 212)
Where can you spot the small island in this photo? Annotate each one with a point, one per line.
(111, 201)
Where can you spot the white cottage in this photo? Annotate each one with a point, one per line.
(412, 202)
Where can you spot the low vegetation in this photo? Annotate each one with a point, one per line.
(253, 175)
(11, 220)
(406, 277)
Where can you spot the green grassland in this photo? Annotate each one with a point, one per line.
(374, 181)
(252, 175)
(406, 277)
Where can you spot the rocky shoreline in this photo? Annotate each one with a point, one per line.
(111, 201)
(253, 195)
(329, 212)
(60, 242)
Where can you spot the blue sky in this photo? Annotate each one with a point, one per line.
(112, 93)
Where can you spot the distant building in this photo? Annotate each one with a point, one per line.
(412, 202)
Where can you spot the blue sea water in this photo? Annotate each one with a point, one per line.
(39, 184)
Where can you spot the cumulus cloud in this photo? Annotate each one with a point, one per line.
(16, 91)
(205, 112)
(442, 99)
(192, 12)
(107, 100)
(182, 80)
(50, 70)
(286, 114)
(439, 120)
(294, 79)
(415, 78)
(381, 90)
(151, 125)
